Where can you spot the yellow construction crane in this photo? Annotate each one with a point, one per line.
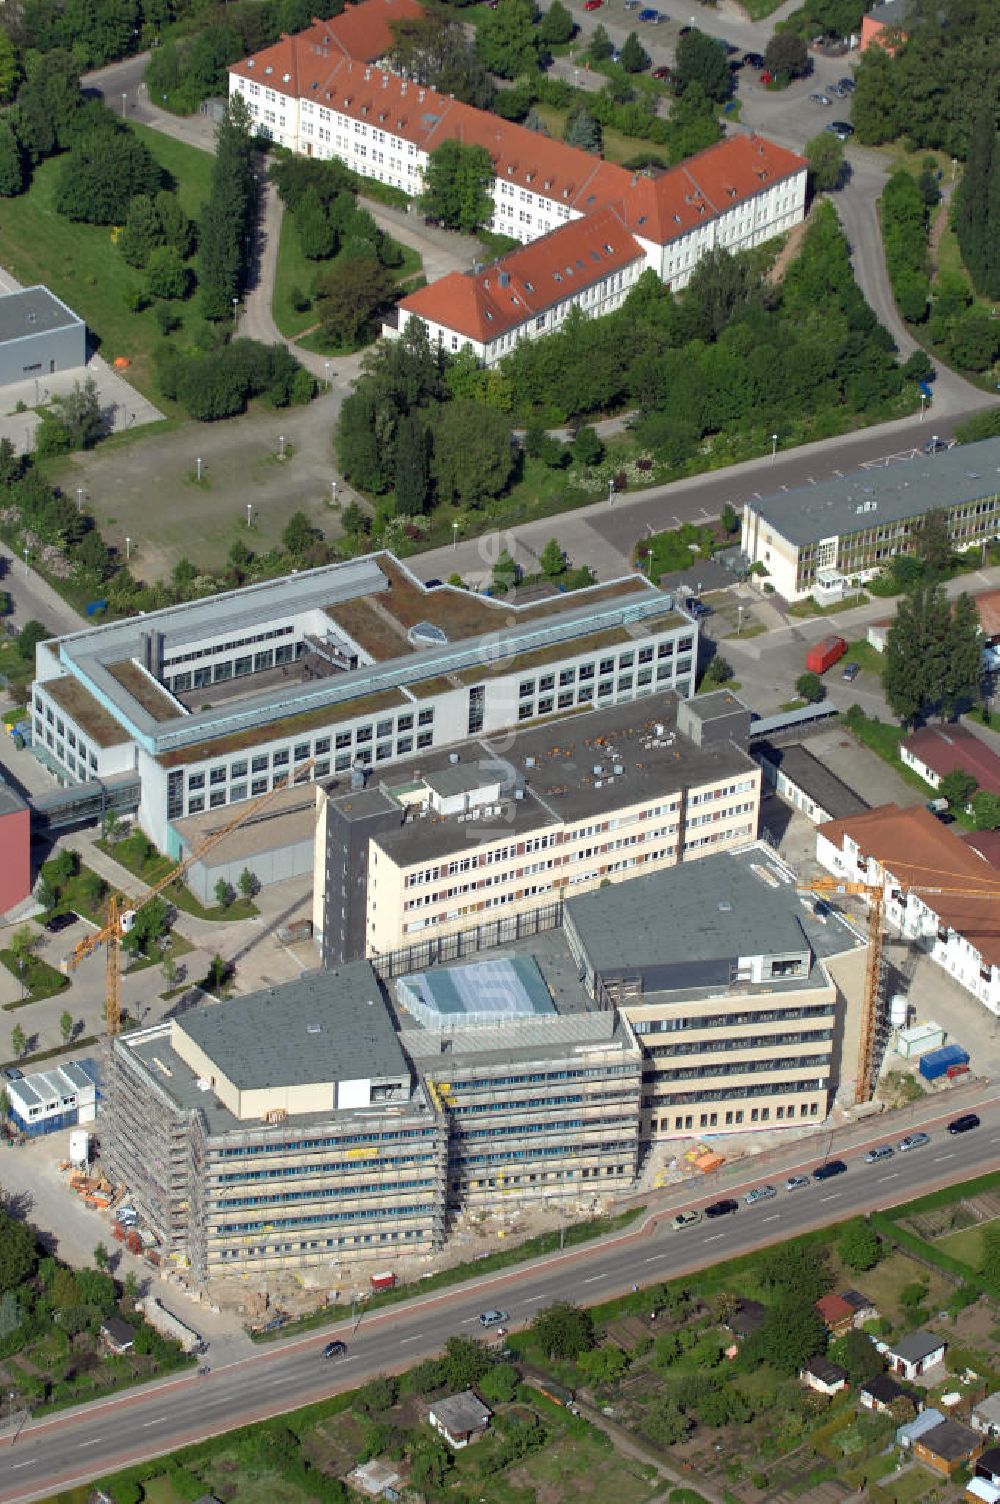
(122, 911)
(874, 891)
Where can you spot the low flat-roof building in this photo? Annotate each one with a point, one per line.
(881, 1393)
(904, 849)
(731, 1000)
(460, 1418)
(823, 1377)
(39, 336)
(351, 667)
(850, 527)
(798, 776)
(947, 1446)
(49, 1100)
(470, 838)
(280, 1129)
(910, 1356)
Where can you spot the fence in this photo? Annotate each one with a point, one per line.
(434, 952)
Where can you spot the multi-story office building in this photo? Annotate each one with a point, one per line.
(477, 834)
(719, 970)
(353, 666)
(818, 540)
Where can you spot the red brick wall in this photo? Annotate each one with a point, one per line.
(15, 858)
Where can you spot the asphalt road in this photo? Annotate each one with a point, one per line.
(94, 1440)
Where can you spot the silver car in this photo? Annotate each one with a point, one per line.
(819, 99)
(796, 1182)
(759, 1193)
(913, 1141)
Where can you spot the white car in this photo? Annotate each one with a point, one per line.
(819, 99)
(685, 1219)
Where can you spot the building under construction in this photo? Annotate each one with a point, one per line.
(280, 1129)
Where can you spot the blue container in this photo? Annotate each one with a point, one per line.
(92, 607)
(938, 1062)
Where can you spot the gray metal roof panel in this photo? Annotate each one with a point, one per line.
(31, 311)
(868, 498)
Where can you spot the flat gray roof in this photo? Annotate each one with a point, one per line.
(10, 800)
(699, 911)
(890, 12)
(555, 765)
(872, 498)
(814, 778)
(916, 1346)
(328, 1026)
(33, 310)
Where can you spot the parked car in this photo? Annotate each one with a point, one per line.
(685, 1219)
(841, 129)
(632, 4)
(819, 99)
(965, 1123)
(837, 90)
(722, 1208)
(697, 607)
(850, 672)
(821, 910)
(661, 73)
(796, 1182)
(847, 85)
(881, 1151)
(335, 1350)
(759, 1193)
(592, 4)
(11, 1073)
(753, 59)
(493, 1318)
(936, 444)
(649, 14)
(913, 1141)
(767, 77)
(60, 922)
(831, 1168)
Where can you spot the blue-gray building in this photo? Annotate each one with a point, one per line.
(39, 336)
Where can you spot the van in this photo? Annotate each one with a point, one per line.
(492, 1318)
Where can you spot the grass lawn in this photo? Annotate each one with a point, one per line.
(617, 148)
(810, 608)
(13, 667)
(966, 1246)
(576, 1467)
(80, 263)
(40, 979)
(139, 857)
(883, 1283)
(862, 652)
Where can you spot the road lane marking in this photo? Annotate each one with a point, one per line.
(157, 1422)
(27, 1463)
(466, 1319)
(92, 1443)
(942, 1157)
(654, 1260)
(532, 1300)
(594, 1277)
(415, 1338)
(774, 1218)
(715, 1237)
(891, 1176)
(832, 1196)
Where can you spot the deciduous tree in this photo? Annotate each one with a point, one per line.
(457, 184)
(957, 787)
(473, 458)
(701, 60)
(825, 155)
(350, 296)
(859, 1246)
(103, 172)
(12, 164)
(786, 56)
(507, 41)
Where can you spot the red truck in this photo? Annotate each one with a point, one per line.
(385, 1281)
(824, 654)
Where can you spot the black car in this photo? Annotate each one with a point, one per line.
(847, 85)
(722, 1208)
(753, 59)
(335, 1350)
(964, 1124)
(11, 1073)
(831, 1168)
(60, 922)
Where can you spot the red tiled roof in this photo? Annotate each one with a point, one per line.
(360, 32)
(919, 852)
(530, 280)
(834, 1309)
(944, 748)
(987, 843)
(708, 184)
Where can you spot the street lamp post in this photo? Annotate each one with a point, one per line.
(611, 492)
(128, 549)
(454, 536)
(923, 405)
(774, 447)
(26, 559)
(197, 469)
(281, 446)
(333, 493)
(236, 304)
(79, 498)
(124, 104)
(326, 368)
(249, 513)
(739, 620)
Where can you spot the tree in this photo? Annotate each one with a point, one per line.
(224, 893)
(582, 130)
(80, 415)
(473, 458)
(553, 559)
(9, 69)
(977, 202)
(48, 103)
(730, 519)
(12, 167)
(18, 1041)
(913, 676)
(797, 1271)
(810, 687)
(349, 297)
(786, 56)
(151, 924)
(859, 1246)
(219, 973)
(506, 574)
(228, 216)
(634, 57)
(66, 1026)
(563, 1330)
(166, 274)
(30, 635)
(457, 185)
(701, 60)
(986, 810)
(170, 970)
(601, 46)
(719, 671)
(103, 172)
(175, 227)
(316, 232)
(957, 787)
(18, 1253)
(130, 1291)
(298, 536)
(556, 26)
(825, 156)
(142, 231)
(507, 42)
(499, 1385)
(248, 884)
(435, 49)
(587, 446)
(666, 1423)
(932, 542)
(22, 945)
(790, 1334)
(412, 466)
(603, 1365)
(963, 649)
(856, 1352)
